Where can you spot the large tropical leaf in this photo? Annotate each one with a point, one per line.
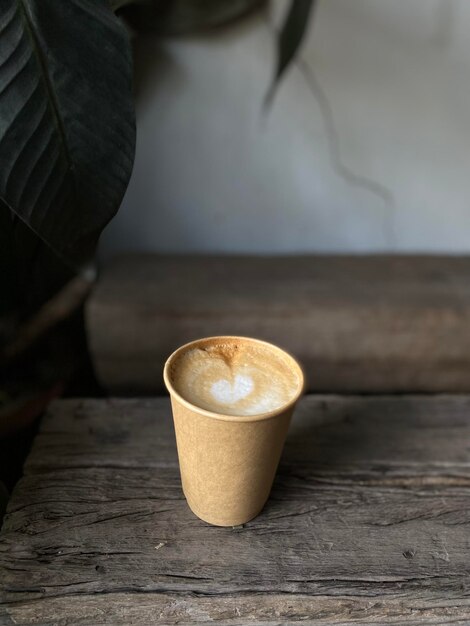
(179, 17)
(67, 129)
(30, 273)
(290, 38)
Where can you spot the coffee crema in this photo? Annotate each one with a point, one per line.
(235, 378)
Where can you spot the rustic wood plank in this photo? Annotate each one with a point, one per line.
(89, 433)
(368, 521)
(274, 610)
(373, 323)
(382, 435)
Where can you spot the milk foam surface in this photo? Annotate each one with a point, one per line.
(234, 379)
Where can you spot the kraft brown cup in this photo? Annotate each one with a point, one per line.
(228, 462)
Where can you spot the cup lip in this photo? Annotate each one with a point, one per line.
(223, 416)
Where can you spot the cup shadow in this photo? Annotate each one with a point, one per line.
(341, 438)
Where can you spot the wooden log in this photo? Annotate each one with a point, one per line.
(358, 324)
(367, 522)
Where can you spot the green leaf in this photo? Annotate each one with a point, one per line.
(178, 17)
(118, 4)
(67, 128)
(30, 272)
(290, 38)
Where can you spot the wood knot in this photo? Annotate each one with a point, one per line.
(409, 554)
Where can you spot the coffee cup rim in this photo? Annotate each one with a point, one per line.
(224, 416)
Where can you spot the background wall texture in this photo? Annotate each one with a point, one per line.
(366, 146)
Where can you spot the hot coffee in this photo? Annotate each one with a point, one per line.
(235, 377)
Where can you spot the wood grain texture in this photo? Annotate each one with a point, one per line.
(373, 323)
(368, 521)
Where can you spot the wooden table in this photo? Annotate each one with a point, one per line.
(368, 522)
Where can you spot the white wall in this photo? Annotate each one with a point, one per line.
(376, 157)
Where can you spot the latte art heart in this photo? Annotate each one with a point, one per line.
(227, 392)
(235, 379)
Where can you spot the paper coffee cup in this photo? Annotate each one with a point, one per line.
(228, 462)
